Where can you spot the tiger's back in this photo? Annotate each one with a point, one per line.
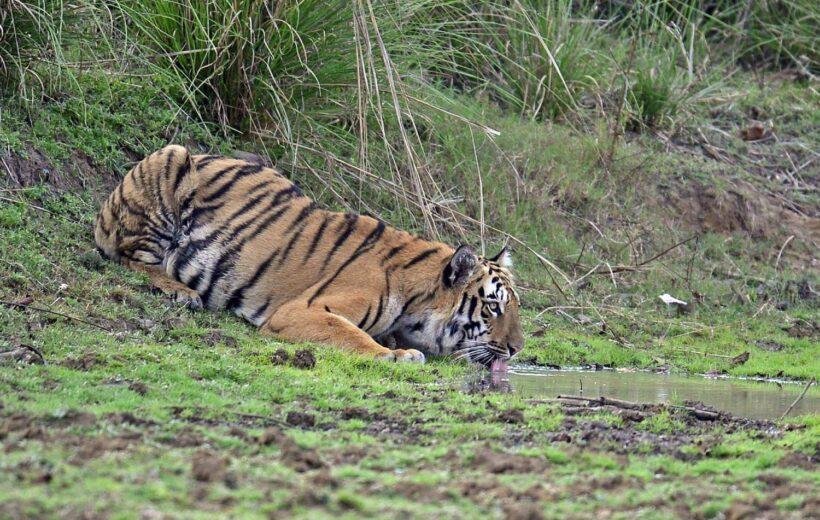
(240, 236)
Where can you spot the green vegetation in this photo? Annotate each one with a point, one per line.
(624, 149)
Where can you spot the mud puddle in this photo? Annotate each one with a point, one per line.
(741, 398)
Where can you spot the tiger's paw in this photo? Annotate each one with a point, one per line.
(401, 355)
(189, 298)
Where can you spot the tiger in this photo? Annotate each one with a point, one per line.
(224, 233)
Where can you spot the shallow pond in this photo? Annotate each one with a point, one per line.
(745, 398)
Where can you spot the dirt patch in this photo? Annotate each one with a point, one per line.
(280, 357)
(272, 436)
(30, 168)
(138, 387)
(216, 337)
(16, 423)
(739, 208)
(130, 419)
(523, 511)
(800, 460)
(297, 458)
(396, 427)
(803, 329)
(496, 462)
(85, 362)
(304, 358)
(771, 346)
(301, 419)
(33, 471)
(207, 466)
(73, 418)
(186, 438)
(301, 459)
(511, 416)
(86, 448)
(353, 412)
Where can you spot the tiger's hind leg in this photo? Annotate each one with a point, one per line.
(177, 291)
(296, 322)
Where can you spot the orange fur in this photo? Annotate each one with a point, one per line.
(225, 233)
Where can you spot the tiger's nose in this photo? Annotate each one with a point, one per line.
(514, 348)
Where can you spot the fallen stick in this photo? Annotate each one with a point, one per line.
(799, 398)
(606, 401)
(705, 415)
(626, 268)
(49, 311)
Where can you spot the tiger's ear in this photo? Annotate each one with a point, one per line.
(460, 267)
(503, 258)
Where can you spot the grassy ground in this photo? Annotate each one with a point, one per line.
(145, 409)
(650, 171)
(168, 412)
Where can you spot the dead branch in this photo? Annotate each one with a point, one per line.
(630, 410)
(49, 311)
(625, 268)
(799, 398)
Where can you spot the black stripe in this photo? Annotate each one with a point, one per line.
(195, 246)
(364, 320)
(378, 314)
(393, 252)
(316, 238)
(227, 259)
(206, 160)
(403, 310)
(241, 171)
(420, 257)
(307, 210)
(463, 301)
(285, 193)
(224, 187)
(136, 176)
(349, 224)
(261, 310)
(238, 294)
(182, 172)
(365, 246)
(473, 303)
(291, 243)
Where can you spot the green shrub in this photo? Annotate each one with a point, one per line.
(28, 32)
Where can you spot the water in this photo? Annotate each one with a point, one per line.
(745, 398)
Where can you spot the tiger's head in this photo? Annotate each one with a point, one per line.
(477, 317)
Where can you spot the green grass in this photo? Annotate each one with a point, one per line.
(206, 382)
(595, 139)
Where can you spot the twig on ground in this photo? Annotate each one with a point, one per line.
(622, 268)
(49, 311)
(780, 253)
(799, 398)
(604, 401)
(701, 353)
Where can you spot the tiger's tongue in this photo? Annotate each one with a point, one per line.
(498, 365)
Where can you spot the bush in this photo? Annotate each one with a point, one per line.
(28, 32)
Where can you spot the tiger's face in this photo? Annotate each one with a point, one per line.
(485, 326)
(477, 317)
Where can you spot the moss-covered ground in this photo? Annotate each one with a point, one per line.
(144, 409)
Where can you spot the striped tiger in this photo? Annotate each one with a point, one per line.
(226, 233)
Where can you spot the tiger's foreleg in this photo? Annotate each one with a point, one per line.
(177, 291)
(296, 322)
